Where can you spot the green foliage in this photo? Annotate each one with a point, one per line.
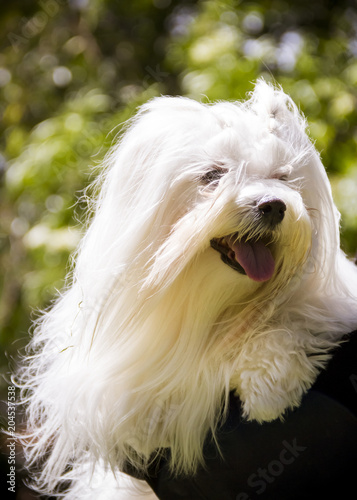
(72, 72)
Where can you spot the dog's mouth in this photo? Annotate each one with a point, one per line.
(251, 257)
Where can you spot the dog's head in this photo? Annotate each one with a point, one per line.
(235, 185)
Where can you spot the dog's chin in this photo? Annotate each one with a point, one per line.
(249, 257)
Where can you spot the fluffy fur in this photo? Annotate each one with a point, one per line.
(154, 330)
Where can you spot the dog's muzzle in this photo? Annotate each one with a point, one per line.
(251, 255)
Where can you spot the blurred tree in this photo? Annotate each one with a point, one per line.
(72, 71)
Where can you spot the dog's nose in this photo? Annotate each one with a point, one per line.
(272, 210)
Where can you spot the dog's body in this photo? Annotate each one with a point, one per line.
(212, 263)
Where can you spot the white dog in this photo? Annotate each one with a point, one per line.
(211, 264)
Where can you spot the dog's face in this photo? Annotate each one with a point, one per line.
(240, 192)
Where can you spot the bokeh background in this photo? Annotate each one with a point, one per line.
(71, 71)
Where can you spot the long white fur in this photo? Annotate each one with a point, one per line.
(153, 331)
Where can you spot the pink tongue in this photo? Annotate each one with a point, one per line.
(255, 258)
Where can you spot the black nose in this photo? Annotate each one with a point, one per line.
(272, 210)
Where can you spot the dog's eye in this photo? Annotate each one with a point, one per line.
(283, 174)
(283, 178)
(213, 175)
